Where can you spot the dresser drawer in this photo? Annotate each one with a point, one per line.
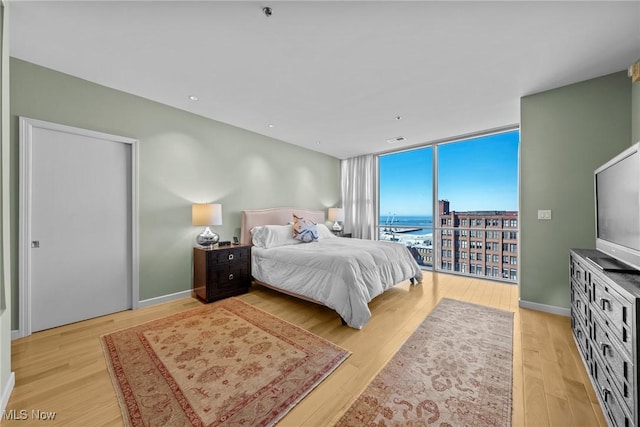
(580, 275)
(615, 362)
(580, 333)
(615, 311)
(612, 404)
(579, 302)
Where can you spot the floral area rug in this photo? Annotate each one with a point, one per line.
(226, 363)
(455, 370)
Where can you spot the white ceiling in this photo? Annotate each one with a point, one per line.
(332, 76)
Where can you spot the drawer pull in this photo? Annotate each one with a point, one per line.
(605, 302)
(231, 277)
(578, 303)
(605, 392)
(579, 331)
(230, 257)
(603, 348)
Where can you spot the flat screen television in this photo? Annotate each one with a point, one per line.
(617, 196)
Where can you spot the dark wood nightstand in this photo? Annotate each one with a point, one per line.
(221, 272)
(341, 233)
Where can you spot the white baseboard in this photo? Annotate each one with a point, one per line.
(164, 298)
(15, 334)
(6, 393)
(560, 311)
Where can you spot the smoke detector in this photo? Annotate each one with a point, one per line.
(396, 139)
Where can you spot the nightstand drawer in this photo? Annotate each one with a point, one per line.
(232, 277)
(231, 255)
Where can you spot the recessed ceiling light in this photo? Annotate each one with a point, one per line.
(270, 125)
(193, 97)
(317, 142)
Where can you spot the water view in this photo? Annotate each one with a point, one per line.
(413, 231)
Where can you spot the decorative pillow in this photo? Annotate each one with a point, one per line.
(304, 230)
(271, 236)
(324, 232)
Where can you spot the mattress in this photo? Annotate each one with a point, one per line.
(343, 274)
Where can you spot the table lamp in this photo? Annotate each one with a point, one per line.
(206, 214)
(336, 215)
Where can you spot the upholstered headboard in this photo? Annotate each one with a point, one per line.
(274, 216)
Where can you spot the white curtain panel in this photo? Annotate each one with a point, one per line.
(358, 191)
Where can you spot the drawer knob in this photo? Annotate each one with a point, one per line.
(605, 303)
(603, 348)
(231, 277)
(230, 257)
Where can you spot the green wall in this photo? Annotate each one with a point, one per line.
(565, 134)
(183, 158)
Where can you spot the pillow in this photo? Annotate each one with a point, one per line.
(271, 236)
(304, 230)
(324, 232)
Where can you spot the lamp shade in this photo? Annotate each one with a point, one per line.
(336, 214)
(206, 214)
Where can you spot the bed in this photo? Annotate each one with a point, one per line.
(343, 274)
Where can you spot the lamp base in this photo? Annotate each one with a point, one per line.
(337, 227)
(207, 238)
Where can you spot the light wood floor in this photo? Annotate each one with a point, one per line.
(62, 370)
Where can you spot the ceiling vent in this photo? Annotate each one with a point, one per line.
(396, 139)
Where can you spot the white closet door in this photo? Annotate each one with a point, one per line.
(81, 231)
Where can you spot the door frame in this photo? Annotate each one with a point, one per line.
(27, 125)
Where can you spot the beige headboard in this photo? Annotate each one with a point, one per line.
(274, 216)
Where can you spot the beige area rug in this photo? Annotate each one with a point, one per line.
(455, 370)
(226, 363)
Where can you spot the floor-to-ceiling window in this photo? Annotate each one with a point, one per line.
(466, 219)
(406, 201)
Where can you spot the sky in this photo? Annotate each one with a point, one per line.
(473, 174)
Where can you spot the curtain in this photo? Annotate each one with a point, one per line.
(358, 191)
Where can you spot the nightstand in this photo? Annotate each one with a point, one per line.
(221, 272)
(341, 233)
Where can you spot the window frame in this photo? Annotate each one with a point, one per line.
(442, 226)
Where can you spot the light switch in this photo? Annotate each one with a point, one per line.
(544, 214)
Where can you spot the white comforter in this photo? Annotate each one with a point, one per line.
(344, 274)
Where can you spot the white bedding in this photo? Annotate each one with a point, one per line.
(343, 274)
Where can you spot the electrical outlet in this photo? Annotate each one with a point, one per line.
(544, 213)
